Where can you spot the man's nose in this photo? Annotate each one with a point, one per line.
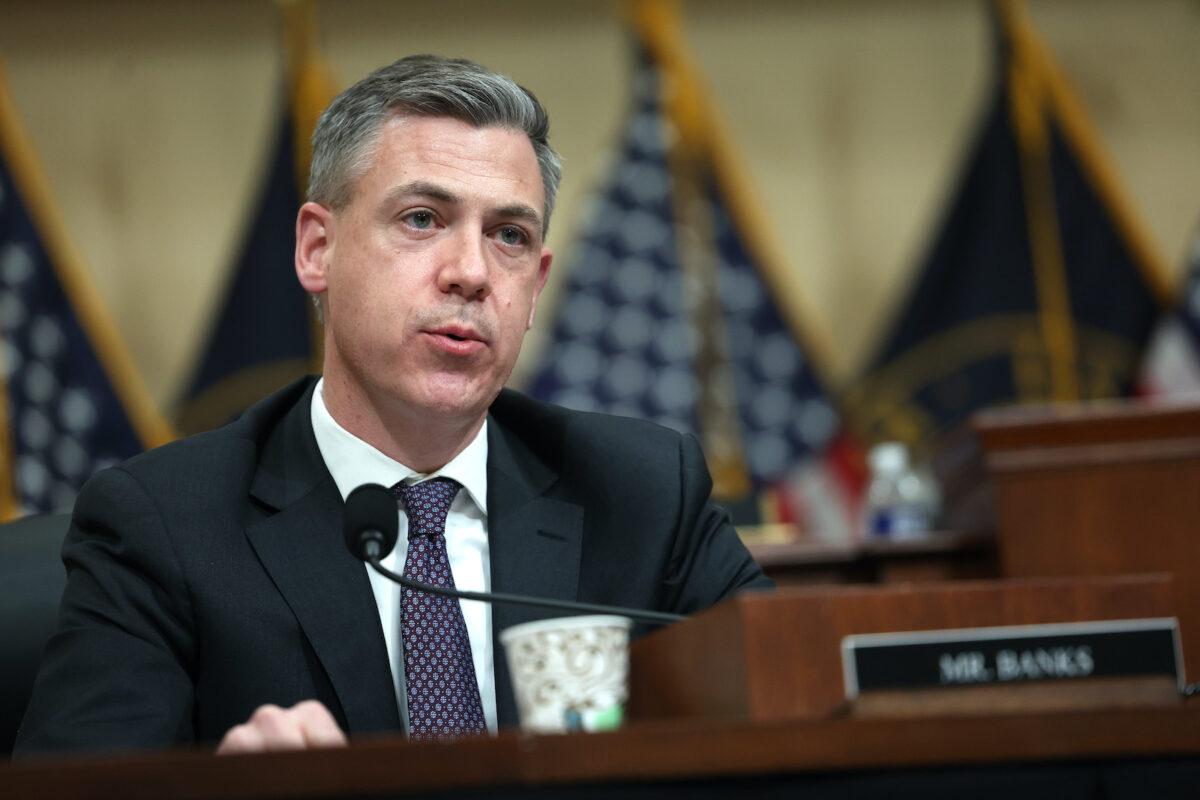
(465, 271)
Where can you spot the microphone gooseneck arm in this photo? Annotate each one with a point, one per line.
(370, 531)
(654, 617)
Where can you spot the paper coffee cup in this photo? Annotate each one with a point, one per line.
(570, 673)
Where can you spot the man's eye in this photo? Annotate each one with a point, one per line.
(512, 236)
(421, 220)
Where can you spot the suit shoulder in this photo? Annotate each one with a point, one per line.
(217, 450)
(590, 446)
(524, 413)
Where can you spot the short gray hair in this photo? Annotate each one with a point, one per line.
(425, 86)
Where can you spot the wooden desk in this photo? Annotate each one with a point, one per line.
(708, 757)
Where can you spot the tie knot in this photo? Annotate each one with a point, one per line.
(427, 504)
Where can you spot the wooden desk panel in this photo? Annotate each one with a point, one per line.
(645, 752)
(770, 656)
(1100, 490)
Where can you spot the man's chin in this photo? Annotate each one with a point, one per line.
(465, 402)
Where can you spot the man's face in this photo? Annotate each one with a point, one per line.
(431, 272)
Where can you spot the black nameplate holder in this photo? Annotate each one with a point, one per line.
(1012, 654)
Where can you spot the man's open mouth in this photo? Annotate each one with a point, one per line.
(458, 337)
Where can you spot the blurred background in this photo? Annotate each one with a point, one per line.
(846, 132)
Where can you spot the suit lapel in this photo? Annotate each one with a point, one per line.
(326, 587)
(534, 543)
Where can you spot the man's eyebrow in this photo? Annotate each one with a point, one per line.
(424, 189)
(522, 212)
(435, 192)
(515, 211)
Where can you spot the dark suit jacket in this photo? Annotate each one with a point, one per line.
(208, 577)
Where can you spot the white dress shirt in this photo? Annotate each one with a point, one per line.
(352, 462)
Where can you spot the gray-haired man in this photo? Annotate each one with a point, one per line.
(209, 596)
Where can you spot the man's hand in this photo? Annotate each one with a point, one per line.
(304, 725)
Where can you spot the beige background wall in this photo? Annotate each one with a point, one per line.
(152, 120)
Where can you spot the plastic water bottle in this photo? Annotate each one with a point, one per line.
(902, 502)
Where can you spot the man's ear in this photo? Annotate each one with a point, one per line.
(314, 246)
(543, 273)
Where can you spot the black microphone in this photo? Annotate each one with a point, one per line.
(371, 530)
(371, 525)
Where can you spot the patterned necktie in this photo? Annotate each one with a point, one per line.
(443, 693)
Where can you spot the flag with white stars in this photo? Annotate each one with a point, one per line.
(63, 413)
(623, 341)
(667, 315)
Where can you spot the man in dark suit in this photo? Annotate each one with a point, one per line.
(209, 595)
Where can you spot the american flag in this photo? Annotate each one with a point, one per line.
(623, 341)
(667, 316)
(69, 401)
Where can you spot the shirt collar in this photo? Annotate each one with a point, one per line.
(352, 462)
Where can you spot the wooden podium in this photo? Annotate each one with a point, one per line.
(1100, 489)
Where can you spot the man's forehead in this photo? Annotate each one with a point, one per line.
(398, 127)
(453, 151)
